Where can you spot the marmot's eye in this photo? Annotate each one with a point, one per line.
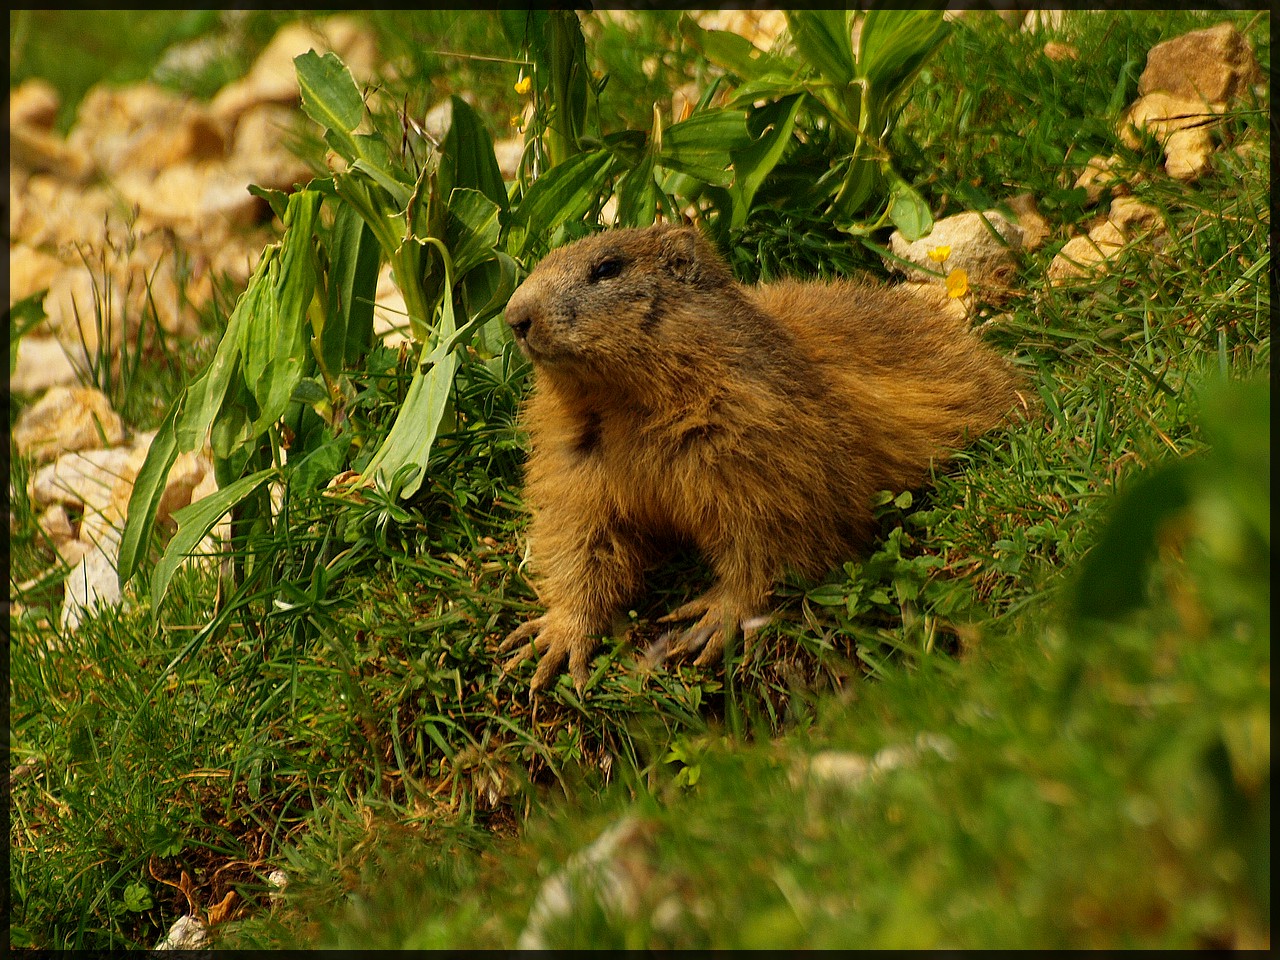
(609, 267)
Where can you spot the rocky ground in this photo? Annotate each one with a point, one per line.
(143, 208)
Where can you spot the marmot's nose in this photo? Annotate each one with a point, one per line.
(519, 315)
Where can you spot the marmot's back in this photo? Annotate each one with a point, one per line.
(916, 381)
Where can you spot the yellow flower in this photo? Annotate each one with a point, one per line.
(938, 254)
(957, 283)
(516, 122)
(524, 85)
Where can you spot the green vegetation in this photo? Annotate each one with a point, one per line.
(1064, 642)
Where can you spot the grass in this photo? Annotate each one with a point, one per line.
(1088, 775)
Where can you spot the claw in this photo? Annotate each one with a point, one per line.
(553, 645)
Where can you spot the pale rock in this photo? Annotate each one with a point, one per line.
(33, 103)
(45, 362)
(30, 270)
(72, 552)
(83, 480)
(189, 196)
(56, 525)
(1214, 64)
(94, 581)
(509, 153)
(187, 933)
(185, 478)
(1163, 114)
(985, 252)
(1100, 174)
(259, 154)
(83, 308)
(61, 215)
(1058, 52)
(1188, 153)
(144, 128)
(1084, 256)
(237, 257)
(1131, 215)
(273, 77)
(18, 179)
(616, 872)
(390, 316)
(1035, 228)
(436, 121)
(67, 419)
(39, 151)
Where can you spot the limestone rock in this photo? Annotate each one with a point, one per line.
(33, 103)
(82, 480)
(187, 933)
(92, 583)
(509, 152)
(1131, 216)
(67, 419)
(1035, 228)
(258, 152)
(273, 78)
(1215, 65)
(1163, 114)
(84, 308)
(143, 128)
(30, 270)
(1188, 153)
(57, 214)
(985, 252)
(1101, 174)
(1083, 256)
(44, 362)
(390, 316)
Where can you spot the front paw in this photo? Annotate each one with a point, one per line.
(719, 622)
(555, 642)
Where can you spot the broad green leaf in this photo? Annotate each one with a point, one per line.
(204, 396)
(352, 286)
(467, 160)
(275, 338)
(148, 490)
(376, 209)
(735, 53)
(277, 200)
(894, 44)
(1112, 576)
(471, 228)
(562, 194)
(770, 86)
(194, 524)
(753, 162)
(907, 209)
(319, 465)
(824, 38)
(861, 177)
(331, 98)
(408, 443)
(701, 146)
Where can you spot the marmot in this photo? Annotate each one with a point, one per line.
(672, 403)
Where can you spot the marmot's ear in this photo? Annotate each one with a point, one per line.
(678, 253)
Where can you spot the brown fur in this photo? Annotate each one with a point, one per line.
(672, 403)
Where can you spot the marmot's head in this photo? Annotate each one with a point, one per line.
(597, 306)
